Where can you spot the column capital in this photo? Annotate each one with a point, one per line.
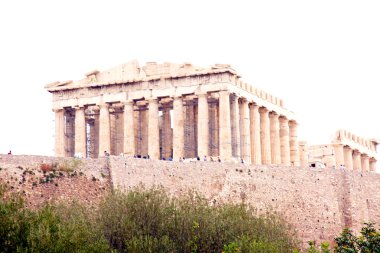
(293, 123)
(224, 92)
(356, 152)
(337, 144)
(283, 119)
(253, 105)
(244, 100)
(263, 110)
(347, 147)
(365, 156)
(274, 115)
(201, 93)
(57, 109)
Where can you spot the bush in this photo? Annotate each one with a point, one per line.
(140, 221)
(69, 165)
(46, 167)
(347, 242)
(64, 228)
(14, 221)
(151, 221)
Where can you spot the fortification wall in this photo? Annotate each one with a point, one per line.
(83, 180)
(318, 203)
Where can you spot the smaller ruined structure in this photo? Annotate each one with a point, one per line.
(347, 151)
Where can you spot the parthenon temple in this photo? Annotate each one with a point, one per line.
(348, 150)
(176, 111)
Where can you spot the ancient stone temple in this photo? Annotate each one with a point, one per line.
(347, 150)
(172, 111)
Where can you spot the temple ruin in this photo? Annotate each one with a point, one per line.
(173, 111)
(348, 150)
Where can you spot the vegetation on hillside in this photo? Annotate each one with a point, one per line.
(367, 242)
(151, 221)
(140, 221)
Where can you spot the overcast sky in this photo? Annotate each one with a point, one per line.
(321, 57)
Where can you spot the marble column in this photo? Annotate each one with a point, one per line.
(80, 132)
(348, 157)
(59, 147)
(153, 131)
(235, 127)
(245, 132)
(225, 149)
(357, 161)
(372, 164)
(203, 126)
(143, 130)
(365, 162)
(178, 129)
(104, 130)
(284, 141)
(166, 133)
(265, 136)
(129, 145)
(339, 155)
(294, 152)
(255, 134)
(275, 138)
(304, 153)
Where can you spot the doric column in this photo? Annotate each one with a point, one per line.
(339, 155)
(129, 129)
(284, 141)
(178, 129)
(365, 162)
(166, 133)
(225, 149)
(255, 134)
(245, 134)
(372, 164)
(153, 130)
(357, 161)
(265, 136)
(203, 126)
(59, 146)
(304, 153)
(347, 157)
(235, 127)
(80, 132)
(104, 130)
(294, 152)
(275, 138)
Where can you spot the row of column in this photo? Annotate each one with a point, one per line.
(353, 159)
(246, 131)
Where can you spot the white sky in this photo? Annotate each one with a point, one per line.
(322, 57)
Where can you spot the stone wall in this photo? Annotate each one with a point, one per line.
(318, 203)
(83, 180)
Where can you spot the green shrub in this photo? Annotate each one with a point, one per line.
(347, 242)
(14, 221)
(150, 221)
(140, 221)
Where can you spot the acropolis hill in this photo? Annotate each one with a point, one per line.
(246, 141)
